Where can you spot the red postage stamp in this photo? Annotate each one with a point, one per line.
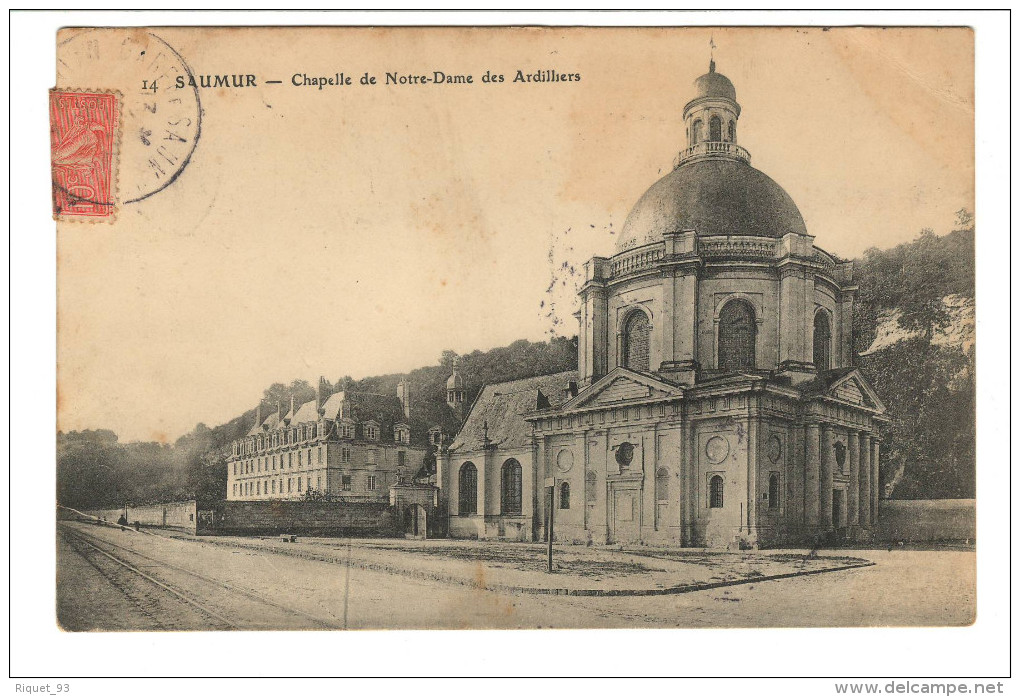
(84, 139)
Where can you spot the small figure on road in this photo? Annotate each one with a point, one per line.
(122, 520)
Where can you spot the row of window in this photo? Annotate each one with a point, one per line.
(268, 462)
(511, 482)
(345, 429)
(737, 334)
(304, 457)
(270, 487)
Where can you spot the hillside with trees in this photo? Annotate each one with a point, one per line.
(94, 469)
(914, 332)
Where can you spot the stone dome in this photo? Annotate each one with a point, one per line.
(713, 84)
(713, 196)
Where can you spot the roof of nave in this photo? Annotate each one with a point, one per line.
(503, 406)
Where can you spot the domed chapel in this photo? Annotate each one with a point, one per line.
(715, 401)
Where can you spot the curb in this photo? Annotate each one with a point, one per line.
(530, 590)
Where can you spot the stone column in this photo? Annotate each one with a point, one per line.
(539, 493)
(598, 334)
(752, 476)
(808, 315)
(875, 481)
(666, 324)
(812, 465)
(685, 344)
(688, 484)
(825, 477)
(864, 507)
(793, 474)
(791, 303)
(853, 443)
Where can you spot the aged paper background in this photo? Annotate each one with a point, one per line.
(316, 230)
(221, 217)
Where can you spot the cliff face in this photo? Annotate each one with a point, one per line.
(915, 333)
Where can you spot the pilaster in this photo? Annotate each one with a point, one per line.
(826, 477)
(853, 442)
(812, 476)
(864, 504)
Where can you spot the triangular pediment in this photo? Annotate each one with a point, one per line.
(853, 389)
(621, 386)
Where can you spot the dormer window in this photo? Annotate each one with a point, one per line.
(401, 433)
(371, 431)
(436, 436)
(345, 429)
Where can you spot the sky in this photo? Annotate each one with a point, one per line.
(360, 231)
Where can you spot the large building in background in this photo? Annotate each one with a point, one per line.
(348, 446)
(715, 401)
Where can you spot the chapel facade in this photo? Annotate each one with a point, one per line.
(715, 401)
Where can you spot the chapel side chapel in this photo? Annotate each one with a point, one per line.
(715, 401)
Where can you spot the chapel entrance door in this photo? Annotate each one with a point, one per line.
(626, 518)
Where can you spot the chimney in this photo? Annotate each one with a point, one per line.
(258, 416)
(404, 395)
(320, 390)
(286, 419)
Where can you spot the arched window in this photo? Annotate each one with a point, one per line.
(823, 340)
(468, 490)
(737, 330)
(591, 487)
(696, 132)
(715, 129)
(774, 490)
(511, 498)
(636, 332)
(731, 131)
(715, 492)
(564, 496)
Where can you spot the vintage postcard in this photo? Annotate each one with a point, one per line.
(485, 328)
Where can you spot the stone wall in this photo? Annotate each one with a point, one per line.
(178, 515)
(926, 521)
(320, 518)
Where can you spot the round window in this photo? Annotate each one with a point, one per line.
(716, 449)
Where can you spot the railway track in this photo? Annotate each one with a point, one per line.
(175, 597)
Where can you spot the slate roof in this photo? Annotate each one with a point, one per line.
(386, 411)
(504, 405)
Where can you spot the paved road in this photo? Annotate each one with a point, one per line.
(188, 584)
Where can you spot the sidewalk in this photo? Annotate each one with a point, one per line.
(521, 567)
